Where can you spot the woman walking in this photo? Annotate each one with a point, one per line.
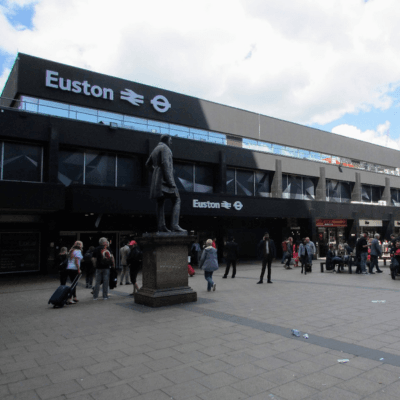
(209, 264)
(61, 263)
(74, 266)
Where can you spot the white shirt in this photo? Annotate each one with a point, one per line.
(71, 261)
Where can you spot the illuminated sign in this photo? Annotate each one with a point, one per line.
(237, 205)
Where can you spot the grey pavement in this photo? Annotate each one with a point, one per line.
(234, 343)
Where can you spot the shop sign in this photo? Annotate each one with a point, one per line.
(370, 222)
(397, 223)
(336, 223)
(160, 103)
(237, 205)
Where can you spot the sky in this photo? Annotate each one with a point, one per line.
(333, 65)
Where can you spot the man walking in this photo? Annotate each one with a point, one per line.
(362, 252)
(266, 249)
(376, 251)
(313, 250)
(231, 250)
(124, 251)
(103, 261)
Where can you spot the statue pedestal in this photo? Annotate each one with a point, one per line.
(165, 272)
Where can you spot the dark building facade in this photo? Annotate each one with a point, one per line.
(74, 144)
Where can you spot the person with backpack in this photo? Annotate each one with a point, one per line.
(87, 266)
(134, 262)
(103, 260)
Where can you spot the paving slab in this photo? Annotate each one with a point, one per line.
(234, 343)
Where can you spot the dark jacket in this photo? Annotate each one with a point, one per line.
(58, 262)
(262, 249)
(98, 255)
(360, 246)
(162, 180)
(209, 259)
(231, 251)
(134, 259)
(376, 249)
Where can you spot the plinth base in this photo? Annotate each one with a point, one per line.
(165, 297)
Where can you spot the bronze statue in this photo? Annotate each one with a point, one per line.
(163, 184)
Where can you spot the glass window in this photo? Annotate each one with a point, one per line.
(53, 108)
(333, 189)
(244, 183)
(99, 169)
(376, 193)
(308, 189)
(230, 181)
(204, 179)
(22, 162)
(129, 171)
(263, 187)
(70, 167)
(345, 192)
(295, 187)
(394, 194)
(183, 175)
(285, 188)
(366, 193)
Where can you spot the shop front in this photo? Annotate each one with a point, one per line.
(330, 232)
(372, 226)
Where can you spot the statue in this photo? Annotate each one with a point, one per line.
(163, 184)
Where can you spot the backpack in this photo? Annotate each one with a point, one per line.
(104, 261)
(87, 258)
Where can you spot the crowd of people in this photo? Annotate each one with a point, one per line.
(99, 263)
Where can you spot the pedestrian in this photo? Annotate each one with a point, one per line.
(267, 252)
(362, 252)
(209, 264)
(304, 254)
(74, 267)
(289, 253)
(395, 262)
(284, 250)
(88, 267)
(196, 252)
(61, 262)
(376, 251)
(313, 250)
(134, 261)
(103, 261)
(124, 252)
(231, 253)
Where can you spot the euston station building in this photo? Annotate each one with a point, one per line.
(74, 145)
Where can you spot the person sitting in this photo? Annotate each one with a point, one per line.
(332, 259)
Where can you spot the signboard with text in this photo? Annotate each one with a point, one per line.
(336, 223)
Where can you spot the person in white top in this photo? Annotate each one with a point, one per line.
(74, 266)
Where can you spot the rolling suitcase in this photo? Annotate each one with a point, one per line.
(62, 293)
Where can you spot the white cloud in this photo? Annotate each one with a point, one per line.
(309, 62)
(380, 136)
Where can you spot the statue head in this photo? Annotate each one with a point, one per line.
(167, 139)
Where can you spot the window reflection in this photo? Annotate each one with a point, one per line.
(21, 162)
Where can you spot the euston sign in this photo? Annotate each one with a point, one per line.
(160, 103)
(237, 205)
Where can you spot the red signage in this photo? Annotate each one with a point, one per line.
(336, 223)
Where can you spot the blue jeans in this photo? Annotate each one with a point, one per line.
(285, 253)
(102, 275)
(363, 261)
(208, 278)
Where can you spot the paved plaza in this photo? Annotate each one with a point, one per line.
(234, 343)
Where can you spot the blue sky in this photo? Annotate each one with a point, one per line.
(332, 65)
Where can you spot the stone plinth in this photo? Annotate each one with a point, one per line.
(165, 273)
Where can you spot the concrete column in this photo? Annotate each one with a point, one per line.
(386, 192)
(320, 193)
(276, 187)
(356, 193)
